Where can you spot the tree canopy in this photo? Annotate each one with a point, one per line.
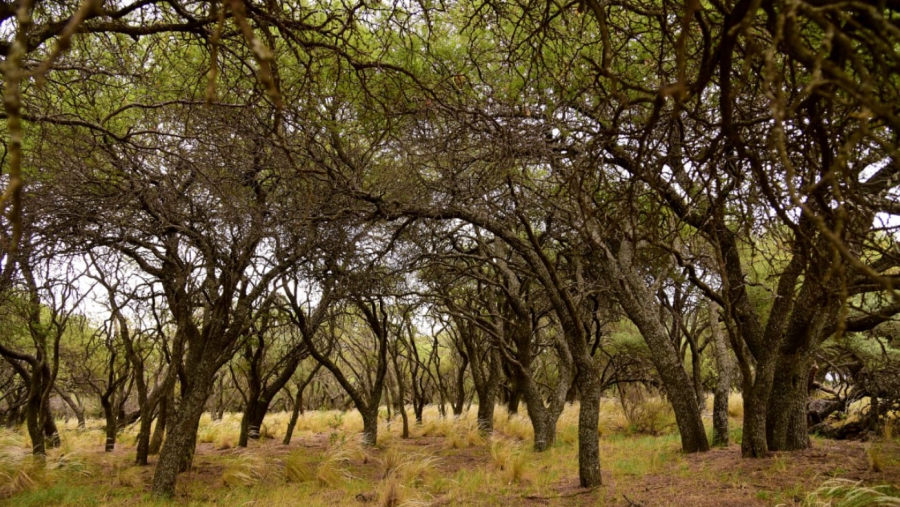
(414, 194)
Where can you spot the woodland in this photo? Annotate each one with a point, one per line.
(438, 210)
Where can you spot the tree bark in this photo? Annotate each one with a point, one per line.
(143, 437)
(251, 421)
(545, 417)
(487, 389)
(400, 397)
(295, 416)
(166, 409)
(177, 451)
(725, 376)
(76, 407)
(370, 425)
(786, 424)
(460, 400)
(632, 296)
(111, 422)
(588, 427)
(298, 404)
(33, 423)
(754, 441)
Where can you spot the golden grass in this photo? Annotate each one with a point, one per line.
(509, 458)
(875, 456)
(333, 469)
(247, 469)
(447, 462)
(297, 468)
(847, 493)
(20, 471)
(736, 406)
(392, 493)
(517, 426)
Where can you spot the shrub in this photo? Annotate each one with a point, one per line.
(645, 415)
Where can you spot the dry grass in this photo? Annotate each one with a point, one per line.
(334, 469)
(736, 406)
(517, 426)
(247, 469)
(297, 468)
(392, 493)
(446, 462)
(509, 459)
(20, 471)
(847, 493)
(876, 457)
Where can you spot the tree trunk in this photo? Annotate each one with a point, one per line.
(487, 384)
(218, 407)
(187, 457)
(370, 425)
(76, 407)
(400, 407)
(633, 295)
(166, 408)
(143, 437)
(418, 404)
(544, 430)
(515, 395)
(725, 376)
(696, 365)
(786, 425)
(178, 449)
(588, 427)
(754, 441)
(295, 415)
(544, 418)
(486, 402)
(460, 401)
(111, 423)
(33, 423)
(400, 397)
(251, 421)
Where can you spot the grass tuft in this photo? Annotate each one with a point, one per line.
(392, 493)
(21, 480)
(876, 458)
(509, 458)
(246, 470)
(297, 468)
(846, 493)
(333, 469)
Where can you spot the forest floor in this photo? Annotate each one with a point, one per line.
(445, 462)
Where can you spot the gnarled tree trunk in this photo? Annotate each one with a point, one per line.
(724, 378)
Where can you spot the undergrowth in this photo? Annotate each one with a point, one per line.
(446, 461)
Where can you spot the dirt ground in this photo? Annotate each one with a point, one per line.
(636, 470)
(716, 478)
(722, 478)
